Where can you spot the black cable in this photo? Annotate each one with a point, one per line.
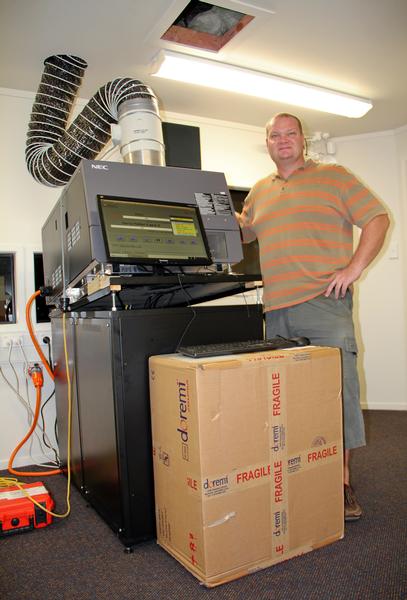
(43, 427)
(56, 430)
(147, 302)
(189, 298)
(162, 294)
(155, 296)
(120, 301)
(169, 300)
(47, 341)
(42, 416)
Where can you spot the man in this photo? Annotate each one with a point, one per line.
(303, 217)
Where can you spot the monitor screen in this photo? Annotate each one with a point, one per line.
(152, 232)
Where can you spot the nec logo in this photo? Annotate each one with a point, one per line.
(104, 167)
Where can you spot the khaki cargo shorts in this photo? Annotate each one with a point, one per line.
(328, 322)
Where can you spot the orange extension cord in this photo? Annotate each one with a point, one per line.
(38, 381)
(32, 335)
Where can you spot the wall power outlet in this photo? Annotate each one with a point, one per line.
(11, 340)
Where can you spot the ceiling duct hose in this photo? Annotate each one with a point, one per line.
(53, 152)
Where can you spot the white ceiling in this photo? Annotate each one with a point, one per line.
(355, 46)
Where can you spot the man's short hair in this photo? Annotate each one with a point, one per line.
(284, 114)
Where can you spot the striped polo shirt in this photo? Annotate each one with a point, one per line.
(304, 226)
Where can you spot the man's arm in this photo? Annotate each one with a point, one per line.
(371, 241)
(246, 233)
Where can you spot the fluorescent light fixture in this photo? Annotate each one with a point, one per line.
(210, 73)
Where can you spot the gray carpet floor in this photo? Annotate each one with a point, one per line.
(81, 558)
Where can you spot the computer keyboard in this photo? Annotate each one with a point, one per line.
(223, 348)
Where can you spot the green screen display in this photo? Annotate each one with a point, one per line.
(146, 231)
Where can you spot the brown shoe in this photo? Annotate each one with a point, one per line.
(353, 511)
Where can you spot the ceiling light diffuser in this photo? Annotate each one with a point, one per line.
(210, 73)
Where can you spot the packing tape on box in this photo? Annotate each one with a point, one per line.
(319, 453)
(277, 410)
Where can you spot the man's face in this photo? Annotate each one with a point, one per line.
(285, 142)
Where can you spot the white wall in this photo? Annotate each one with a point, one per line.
(380, 297)
(401, 149)
(24, 207)
(239, 152)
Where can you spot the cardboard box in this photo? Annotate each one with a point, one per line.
(247, 458)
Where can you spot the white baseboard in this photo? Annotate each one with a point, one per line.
(385, 406)
(25, 461)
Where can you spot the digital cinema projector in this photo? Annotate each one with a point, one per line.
(117, 216)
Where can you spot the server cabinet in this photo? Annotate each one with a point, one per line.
(111, 437)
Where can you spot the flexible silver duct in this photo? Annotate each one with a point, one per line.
(139, 132)
(52, 152)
